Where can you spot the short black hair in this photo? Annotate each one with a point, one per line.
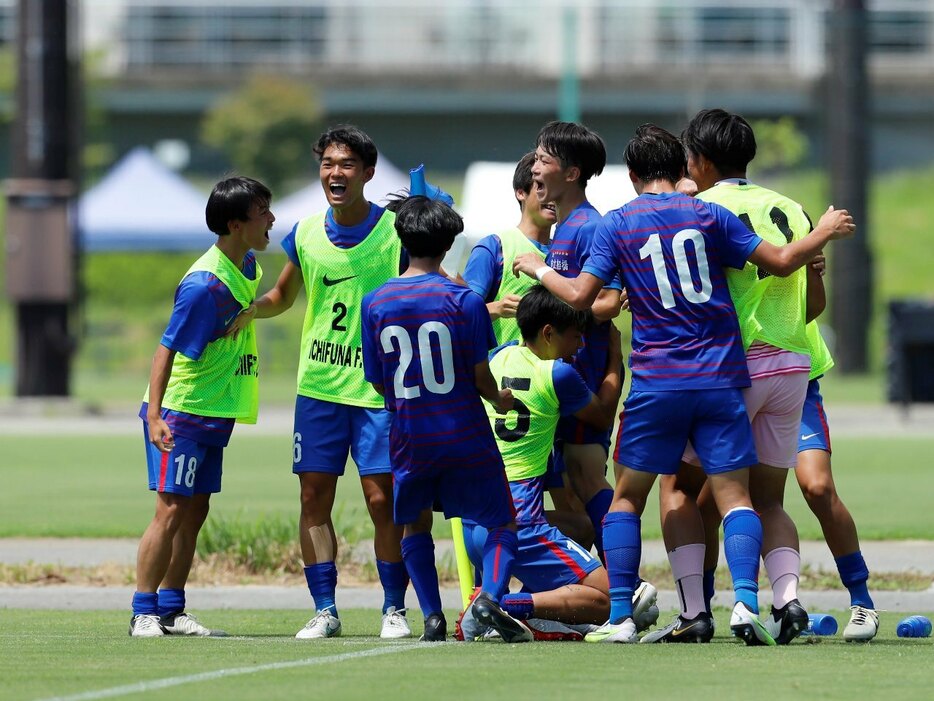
(574, 145)
(522, 177)
(654, 153)
(539, 307)
(426, 227)
(231, 199)
(353, 138)
(724, 139)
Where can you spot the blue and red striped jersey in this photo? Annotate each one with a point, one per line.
(670, 250)
(422, 338)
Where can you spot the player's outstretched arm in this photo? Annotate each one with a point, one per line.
(782, 261)
(160, 435)
(601, 412)
(501, 399)
(282, 296)
(608, 305)
(580, 292)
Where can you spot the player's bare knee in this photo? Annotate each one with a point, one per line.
(819, 493)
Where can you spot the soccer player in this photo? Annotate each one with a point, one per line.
(687, 361)
(772, 315)
(567, 155)
(563, 582)
(202, 381)
(494, 253)
(340, 255)
(425, 344)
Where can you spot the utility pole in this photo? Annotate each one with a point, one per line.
(41, 252)
(848, 128)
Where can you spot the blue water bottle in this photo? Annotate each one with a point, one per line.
(820, 624)
(914, 627)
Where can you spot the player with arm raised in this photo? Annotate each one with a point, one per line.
(425, 345)
(339, 255)
(688, 365)
(202, 381)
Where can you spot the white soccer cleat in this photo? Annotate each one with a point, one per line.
(395, 625)
(146, 625)
(747, 627)
(644, 610)
(624, 632)
(185, 624)
(323, 625)
(863, 625)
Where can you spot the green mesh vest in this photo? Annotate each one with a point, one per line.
(821, 360)
(770, 309)
(526, 434)
(224, 380)
(336, 280)
(514, 243)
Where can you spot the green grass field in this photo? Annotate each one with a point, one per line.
(96, 486)
(87, 655)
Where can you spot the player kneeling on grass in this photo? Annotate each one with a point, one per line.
(203, 379)
(425, 344)
(565, 586)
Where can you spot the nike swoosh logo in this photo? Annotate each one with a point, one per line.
(227, 321)
(810, 435)
(681, 631)
(328, 283)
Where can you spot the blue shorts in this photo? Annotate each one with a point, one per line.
(815, 431)
(574, 431)
(191, 467)
(479, 494)
(547, 558)
(326, 431)
(655, 427)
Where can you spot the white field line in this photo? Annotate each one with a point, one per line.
(152, 685)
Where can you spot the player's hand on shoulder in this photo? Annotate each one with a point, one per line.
(241, 321)
(839, 221)
(505, 401)
(686, 186)
(526, 263)
(624, 300)
(160, 435)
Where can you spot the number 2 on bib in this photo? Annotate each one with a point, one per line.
(653, 250)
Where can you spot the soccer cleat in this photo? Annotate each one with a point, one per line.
(323, 625)
(683, 630)
(863, 625)
(182, 623)
(146, 625)
(644, 610)
(787, 623)
(436, 629)
(747, 626)
(489, 614)
(624, 632)
(394, 625)
(545, 630)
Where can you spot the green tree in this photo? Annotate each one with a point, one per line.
(781, 145)
(265, 128)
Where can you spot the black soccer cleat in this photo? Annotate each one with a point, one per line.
(787, 623)
(683, 630)
(436, 629)
(488, 613)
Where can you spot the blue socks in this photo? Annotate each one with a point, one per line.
(597, 508)
(171, 601)
(854, 575)
(418, 554)
(518, 606)
(709, 587)
(499, 553)
(622, 540)
(742, 543)
(145, 603)
(322, 583)
(395, 579)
